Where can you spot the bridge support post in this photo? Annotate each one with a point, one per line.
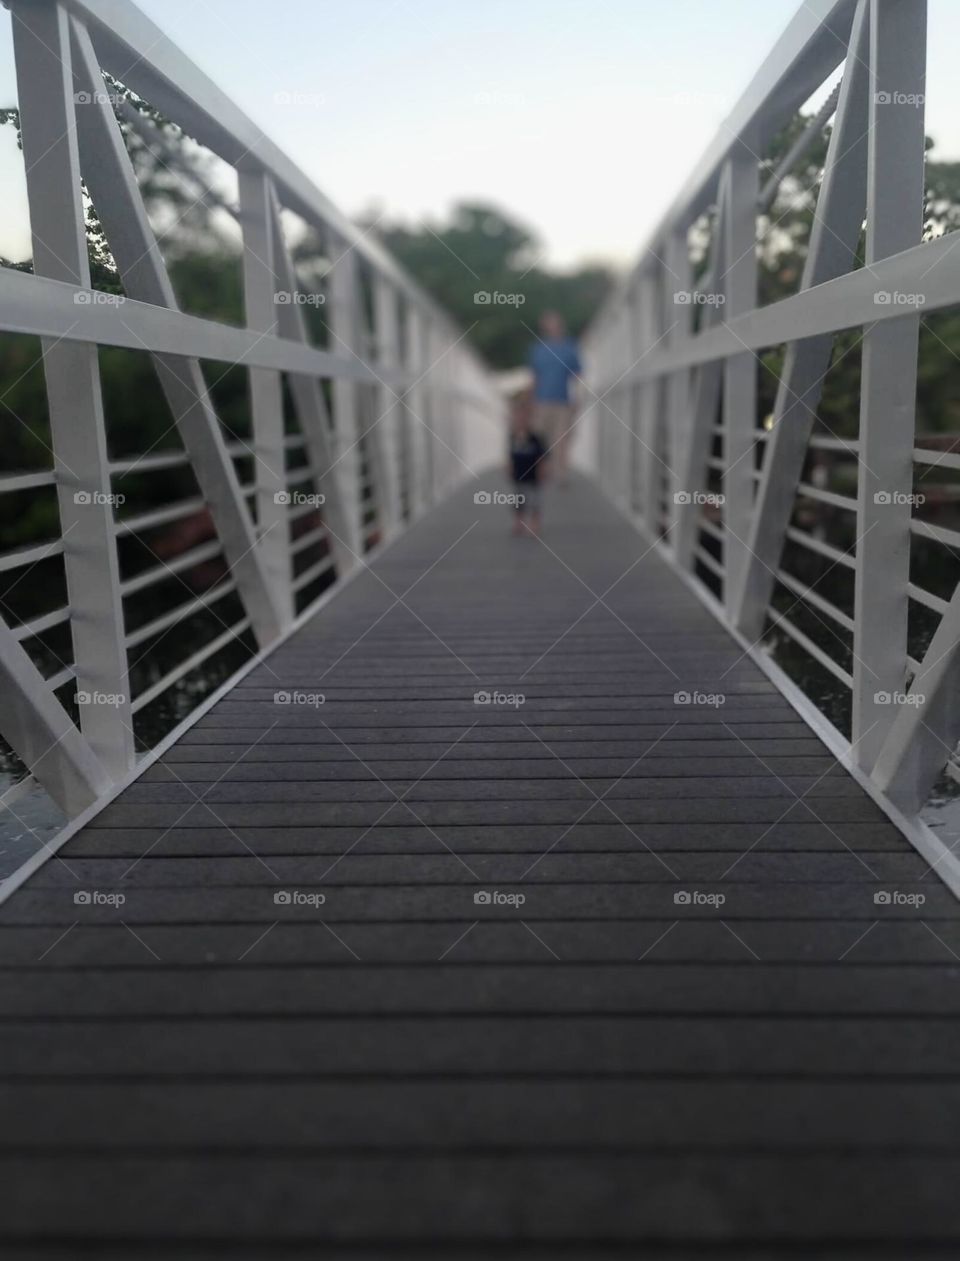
(383, 433)
(344, 324)
(41, 35)
(266, 399)
(739, 371)
(895, 192)
(678, 326)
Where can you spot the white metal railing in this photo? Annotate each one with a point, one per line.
(388, 417)
(674, 415)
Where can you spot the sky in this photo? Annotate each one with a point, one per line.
(581, 119)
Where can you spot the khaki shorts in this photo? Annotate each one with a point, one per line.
(553, 423)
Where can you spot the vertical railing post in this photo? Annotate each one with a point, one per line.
(889, 375)
(345, 341)
(739, 371)
(383, 437)
(261, 299)
(78, 434)
(415, 399)
(678, 325)
(651, 397)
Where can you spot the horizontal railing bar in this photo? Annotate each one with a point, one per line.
(62, 676)
(46, 308)
(936, 533)
(927, 598)
(160, 516)
(38, 625)
(302, 510)
(820, 546)
(709, 561)
(169, 569)
(827, 497)
(814, 650)
(309, 539)
(178, 614)
(30, 555)
(312, 573)
(190, 663)
(940, 459)
(715, 531)
(149, 463)
(813, 597)
(849, 446)
(847, 302)
(13, 482)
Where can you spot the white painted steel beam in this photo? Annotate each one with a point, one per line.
(77, 430)
(895, 201)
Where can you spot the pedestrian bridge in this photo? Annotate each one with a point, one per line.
(509, 897)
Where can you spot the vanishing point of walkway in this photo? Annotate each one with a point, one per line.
(399, 967)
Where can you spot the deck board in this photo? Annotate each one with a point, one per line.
(207, 1070)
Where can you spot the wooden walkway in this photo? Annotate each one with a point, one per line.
(227, 1063)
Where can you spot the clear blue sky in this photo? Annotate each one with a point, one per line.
(580, 118)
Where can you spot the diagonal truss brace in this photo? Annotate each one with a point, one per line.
(113, 187)
(832, 251)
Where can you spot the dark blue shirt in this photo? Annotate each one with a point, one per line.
(553, 364)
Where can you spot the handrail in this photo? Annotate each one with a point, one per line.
(413, 408)
(662, 378)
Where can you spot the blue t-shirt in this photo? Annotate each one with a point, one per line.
(553, 364)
